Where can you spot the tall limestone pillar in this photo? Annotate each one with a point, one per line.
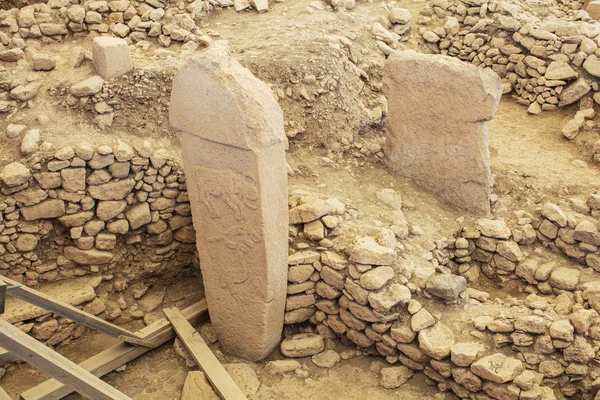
(437, 131)
(234, 161)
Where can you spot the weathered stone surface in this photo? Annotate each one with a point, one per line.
(196, 386)
(368, 251)
(112, 190)
(376, 278)
(237, 183)
(88, 257)
(15, 174)
(497, 368)
(244, 376)
(389, 296)
(111, 57)
(436, 341)
(326, 359)
(437, 134)
(107, 210)
(447, 287)
(302, 345)
(88, 87)
(574, 92)
(138, 215)
(52, 208)
(565, 278)
(394, 377)
(464, 354)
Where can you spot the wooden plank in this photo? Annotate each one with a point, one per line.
(6, 357)
(68, 311)
(4, 395)
(2, 297)
(216, 374)
(47, 360)
(102, 363)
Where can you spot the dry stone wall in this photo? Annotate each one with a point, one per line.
(117, 211)
(362, 290)
(546, 62)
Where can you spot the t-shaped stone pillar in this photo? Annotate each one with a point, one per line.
(437, 132)
(234, 161)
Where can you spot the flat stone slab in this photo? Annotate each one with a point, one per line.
(234, 161)
(437, 132)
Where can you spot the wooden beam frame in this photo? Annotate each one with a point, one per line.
(47, 360)
(216, 374)
(68, 311)
(102, 363)
(2, 297)
(4, 395)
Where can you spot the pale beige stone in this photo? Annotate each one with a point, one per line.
(111, 57)
(234, 160)
(437, 131)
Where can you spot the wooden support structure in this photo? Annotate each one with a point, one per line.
(44, 358)
(4, 395)
(2, 297)
(216, 374)
(36, 298)
(102, 363)
(6, 357)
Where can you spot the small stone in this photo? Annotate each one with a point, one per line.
(464, 354)
(15, 174)
(565, 278)
(302, 345)
(447, 287)
(326, 359)
(88, 87)
(369, 252)
(422, 319)
(497, 368)
(376, 278)
(13, 131)
(436, 341)
(394, 377)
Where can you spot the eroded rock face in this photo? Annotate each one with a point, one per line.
(437, 132)
(237, 182)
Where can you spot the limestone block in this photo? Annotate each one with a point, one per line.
(437, 132)
(111, 57)
(234, 161)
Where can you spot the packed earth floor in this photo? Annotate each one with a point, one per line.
(395, 292)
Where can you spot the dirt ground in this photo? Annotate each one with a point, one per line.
(532, 162)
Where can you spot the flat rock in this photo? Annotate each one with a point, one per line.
(51, 208)
(88, 87)
(368, 251)
(436, 341)
(446, 286)
(394, 377)
(376, 278)
(112, 190)
(493, 228)
(302, 345)
(326, 359)
(497, 368)
(389, 296)
(88, 257)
